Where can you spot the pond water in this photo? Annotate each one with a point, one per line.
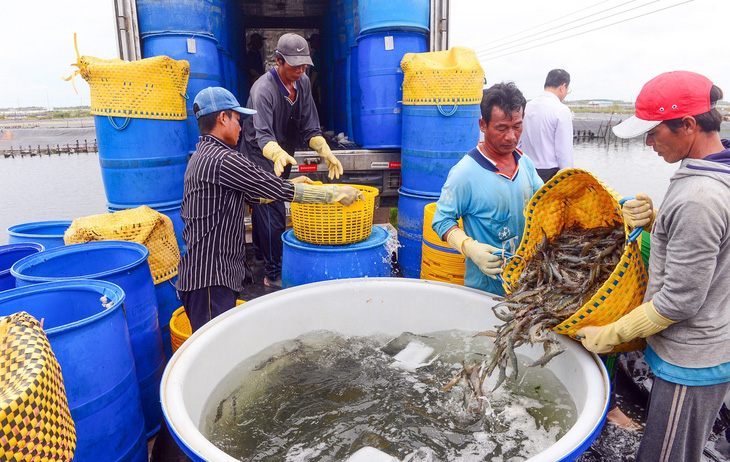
(64, 187)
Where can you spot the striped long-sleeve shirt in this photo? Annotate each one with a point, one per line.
(218, 182)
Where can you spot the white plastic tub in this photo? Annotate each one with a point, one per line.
(357, 307)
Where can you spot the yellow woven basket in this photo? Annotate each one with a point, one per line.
(442, 77)
(143, 225)
(35, 421)
(180, 329)
(335, 224)
(575, 198)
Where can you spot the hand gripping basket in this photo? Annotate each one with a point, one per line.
(335, 224)
(575, 197)
(35, 422)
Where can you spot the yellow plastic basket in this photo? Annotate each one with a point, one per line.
(574, 197)
(180, 328)
(335, 224)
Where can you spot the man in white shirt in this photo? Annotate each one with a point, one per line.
(547, 136)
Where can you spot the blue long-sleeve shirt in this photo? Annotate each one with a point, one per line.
(491, 205)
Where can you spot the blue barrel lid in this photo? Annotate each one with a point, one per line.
(378, 237)
(22, 268)
(40, 228)
(113, 292)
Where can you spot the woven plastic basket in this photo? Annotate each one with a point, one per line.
(143, 225)
(180, 328)
(35, 421)
(442, 77)
(335, 224)
(575, 198)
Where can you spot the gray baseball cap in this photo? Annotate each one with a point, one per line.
(294, 49)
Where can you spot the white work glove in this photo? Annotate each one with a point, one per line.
(278, 156)
(320, 145)
(480, 254)
(326, 194)
(639, 212)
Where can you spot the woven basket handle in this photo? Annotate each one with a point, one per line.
(636, 231)
(447, 114)
(119, 127)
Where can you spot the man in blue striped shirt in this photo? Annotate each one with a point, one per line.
(219, 181)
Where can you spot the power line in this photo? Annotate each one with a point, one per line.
(540, 25)
(585, 32)
(509, 46)
(551, 21)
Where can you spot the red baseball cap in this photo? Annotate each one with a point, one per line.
(671, 95)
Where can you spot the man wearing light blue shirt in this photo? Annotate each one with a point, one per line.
(488, 189)
(547, 137)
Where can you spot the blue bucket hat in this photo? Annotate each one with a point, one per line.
(215, 99)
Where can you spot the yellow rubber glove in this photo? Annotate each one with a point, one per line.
(278, 156)
(480, 254)
(639, 212)
(301, 179)
(326, 194)
(320, 145)
(642, 322)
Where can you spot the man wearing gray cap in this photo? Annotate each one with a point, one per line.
(285, 112)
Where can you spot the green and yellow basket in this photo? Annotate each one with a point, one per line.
(576, 198)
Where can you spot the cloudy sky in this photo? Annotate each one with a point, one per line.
(605, 60)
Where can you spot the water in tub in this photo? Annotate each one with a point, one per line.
(324, 396)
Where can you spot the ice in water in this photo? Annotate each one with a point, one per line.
(324, 396)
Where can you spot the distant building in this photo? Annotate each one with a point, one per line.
(601, 103)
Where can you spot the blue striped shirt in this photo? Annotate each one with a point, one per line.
(218, 182)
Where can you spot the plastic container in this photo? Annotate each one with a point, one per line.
(380, 15)
(205, 69)
(167, 303)
(49, 234)
(435, 138)
(335, 224)
(11, 253)
(303, 263)
(172, 211)
(380, 78)
(363, 306)
(124, 264)
(202, 17)
(91, 344)
(410, 231)
(439, 262)
(180, 328)
(143, 161)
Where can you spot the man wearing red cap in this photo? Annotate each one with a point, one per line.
(685, 317)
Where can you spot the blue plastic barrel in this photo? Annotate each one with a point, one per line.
(11, 253)
(380, 80)
(355, 107)
(205, 68)
(49, 234)
(380, 15)
(202, 17)
(352, 25)
(167, 303)
(142, 161)
(91, 344)
(410, 231)
(340, 95)
(370, 258)
(124, 264)
(435, 138)
(172, 211)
